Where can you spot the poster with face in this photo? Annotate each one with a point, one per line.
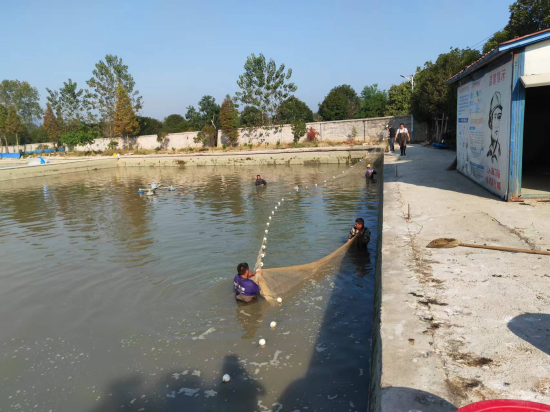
(483, 126)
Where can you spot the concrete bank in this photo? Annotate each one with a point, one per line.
(57, 167)
(458, 325)
(312, 156)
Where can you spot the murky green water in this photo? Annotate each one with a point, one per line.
(114, 301)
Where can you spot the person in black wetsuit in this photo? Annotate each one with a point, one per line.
(370, 172)
(260, 181)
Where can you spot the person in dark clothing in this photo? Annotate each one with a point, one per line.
(403, 138)
(370, 172)
(260, 181)
(392, 138)
(361, 231)
(246, 290)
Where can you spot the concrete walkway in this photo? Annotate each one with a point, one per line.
(460, 325)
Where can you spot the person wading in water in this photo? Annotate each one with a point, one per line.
(246, 290)
(260, 181)
(361, 231)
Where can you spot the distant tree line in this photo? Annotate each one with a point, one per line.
(110, 105)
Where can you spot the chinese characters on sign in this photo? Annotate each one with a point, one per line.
(493, 177)
(497, 77)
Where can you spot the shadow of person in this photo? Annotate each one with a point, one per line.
(250, 316)
(399, 399)
(533, 328)
(119, 393)
(185, 390)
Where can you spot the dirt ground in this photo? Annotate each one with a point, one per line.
(460, 325)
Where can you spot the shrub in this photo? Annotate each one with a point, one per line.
(224, 146)
(298, 130)
(250, 145)
(353, 133)
(190, 149)
(278, 143)
(157, 148)
(112, 144)
(312, 134)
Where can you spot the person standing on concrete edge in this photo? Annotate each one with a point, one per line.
(391, 131)
(403, 137)
(384, 134)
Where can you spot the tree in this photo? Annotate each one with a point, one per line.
(229, 120)
(312, 134)
(293, 109)
(106, 77)
(14, 127)
(3, 118)
(526, 17)
(148, 125)
(36, 135)
(264, 86)
(373, 101)
(431, 97)
(175, 123)
(82, 136)
(23, 97)
(125, 122)
(50, 124)
(298, 129)
(206, 136)
(69, 106)
(340, 104)
(399, 99)
(208, 113)
(250, 117)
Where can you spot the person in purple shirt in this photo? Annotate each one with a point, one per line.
(246, 290)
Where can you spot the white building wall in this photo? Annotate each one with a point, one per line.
(537, 58)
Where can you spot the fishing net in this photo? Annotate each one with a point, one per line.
(280, 282)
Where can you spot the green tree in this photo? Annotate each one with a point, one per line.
(399, 99)
(229, 120)
(69, 106)
(208, 113)
(206, 136)
(175, 123)
(340, 104)
(250, 117)
(13, 127)
(264, 86)
(299, 129)
(82, 136)
(50, 125)
(3, 118)
(526, 17)
(125, 122)
(36, 135)
(373, 101)
(148, 125)
(431, 97)
(23, 97)
(293, 109)
(103, 97)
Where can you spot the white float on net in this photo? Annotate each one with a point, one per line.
(226, 378)
(273, 324)
(262, 342)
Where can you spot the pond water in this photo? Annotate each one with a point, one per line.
(111, 300)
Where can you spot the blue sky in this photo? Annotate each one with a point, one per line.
(178, 51)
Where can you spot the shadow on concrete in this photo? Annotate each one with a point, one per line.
(399, 399)
(533, 328)
(175, 391)
(425, 166)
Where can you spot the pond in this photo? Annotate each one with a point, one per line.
(112, 300)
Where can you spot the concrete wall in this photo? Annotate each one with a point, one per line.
(368, 130)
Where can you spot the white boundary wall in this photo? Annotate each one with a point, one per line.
(368, 130)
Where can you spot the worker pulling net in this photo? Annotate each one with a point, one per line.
(279, 282)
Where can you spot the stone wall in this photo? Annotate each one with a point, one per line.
(147, 142)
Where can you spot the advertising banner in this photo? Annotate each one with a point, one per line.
(483, 126)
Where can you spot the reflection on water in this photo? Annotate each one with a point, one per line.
(114, 300)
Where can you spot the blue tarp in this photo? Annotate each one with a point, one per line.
(33, 151)
(10, 155)
(61, 149)
(440, 145)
